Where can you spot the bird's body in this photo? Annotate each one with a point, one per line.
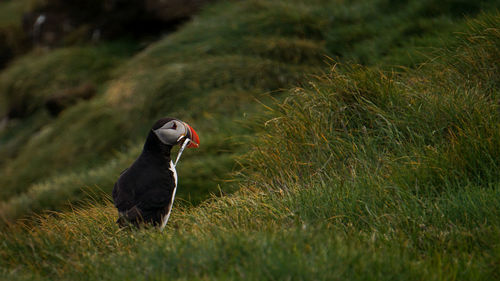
(147, 185)
(144, 193)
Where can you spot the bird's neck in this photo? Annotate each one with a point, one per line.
(154, 147)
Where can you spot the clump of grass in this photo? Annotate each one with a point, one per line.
(59, 153)
(25, 86)
(65, 191)
(358, 115)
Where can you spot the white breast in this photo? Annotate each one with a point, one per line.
(174, 171)
(167, 215)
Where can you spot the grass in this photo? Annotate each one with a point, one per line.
(11, 12)
(209, 73)
(13, 42)
(154, 83)
(359, 173)
(56, 71)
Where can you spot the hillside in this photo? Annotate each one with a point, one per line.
(351, 141)
(209, 73)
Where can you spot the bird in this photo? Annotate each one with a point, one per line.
(144, 193)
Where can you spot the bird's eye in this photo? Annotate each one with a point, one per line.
(174, 126)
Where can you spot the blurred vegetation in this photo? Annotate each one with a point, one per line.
(209, 73)
(12, 39)
(382, 163)
(359, 175)
(11, 12)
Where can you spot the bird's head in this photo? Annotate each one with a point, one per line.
(171, 131)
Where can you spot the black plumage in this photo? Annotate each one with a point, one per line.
(144, 191)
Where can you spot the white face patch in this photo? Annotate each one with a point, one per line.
(172, 132)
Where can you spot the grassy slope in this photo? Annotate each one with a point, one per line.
(212, 88)
(397, 180)
(208, 73)
(403, 167)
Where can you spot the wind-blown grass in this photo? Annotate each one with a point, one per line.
(361, 174)
(208, 73)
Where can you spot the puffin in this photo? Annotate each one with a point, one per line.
(144, 193)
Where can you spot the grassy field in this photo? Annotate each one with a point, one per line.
(355, 141)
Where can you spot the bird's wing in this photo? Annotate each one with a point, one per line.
(148, 190)
(123, 196)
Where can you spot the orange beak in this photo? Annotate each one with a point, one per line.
(195, 140)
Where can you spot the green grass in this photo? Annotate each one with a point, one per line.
(56, 71)
(22, 139)
(359, 173)
(11, 12)
(173, 77)
(208, 73)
